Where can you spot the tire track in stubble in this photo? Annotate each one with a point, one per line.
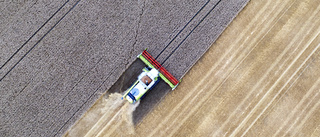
(314, 108)
(274, 85)
(291, 84)
(255, 87)
(308, 115)
(306, 98)
(315, 131)
(293, 112)
(295, 39)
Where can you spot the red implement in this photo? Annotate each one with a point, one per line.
(161, 69)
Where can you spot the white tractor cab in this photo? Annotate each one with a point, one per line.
(146, 81)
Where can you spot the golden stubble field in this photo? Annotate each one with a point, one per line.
(260, 78)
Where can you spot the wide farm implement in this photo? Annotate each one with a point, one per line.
(149, 77)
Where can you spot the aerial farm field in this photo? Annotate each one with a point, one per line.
(260, 78)
(59, 57)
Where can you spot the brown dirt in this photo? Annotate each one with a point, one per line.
(260, 78)
(103, 116)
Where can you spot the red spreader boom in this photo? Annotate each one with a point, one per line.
(173, 82)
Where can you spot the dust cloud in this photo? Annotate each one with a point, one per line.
(107, 117)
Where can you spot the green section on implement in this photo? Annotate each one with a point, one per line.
(166, 80)
(145, 61)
